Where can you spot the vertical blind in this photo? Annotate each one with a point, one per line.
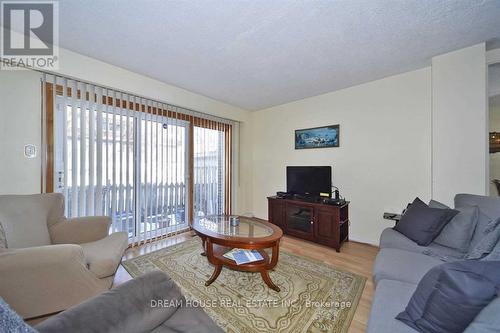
(152, 167)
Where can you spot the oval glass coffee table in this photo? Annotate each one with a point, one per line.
(219, 237)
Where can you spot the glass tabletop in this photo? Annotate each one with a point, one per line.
(246, 227)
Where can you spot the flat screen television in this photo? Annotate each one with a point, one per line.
(309, 180)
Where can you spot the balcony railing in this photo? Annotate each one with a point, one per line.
(161, 206)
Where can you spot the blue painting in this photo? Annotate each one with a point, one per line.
(318, 137)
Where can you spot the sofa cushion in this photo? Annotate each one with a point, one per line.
(483, 227)
(494, 254)
(451, 295)
(489, 208)
(390, 238)
(104, 256)
(489, 205)
(487, 243)
(133, 306)
(188, 319)
(457, 234)
(401, 265)
(423, 224)
(488, 320)
(24, 219)
(391, 297)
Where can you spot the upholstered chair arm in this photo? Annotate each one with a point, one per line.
(139, 305)
(80, 230)
(41, 280)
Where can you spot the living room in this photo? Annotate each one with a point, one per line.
(249, 166)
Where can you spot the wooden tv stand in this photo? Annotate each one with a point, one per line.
(317, 222)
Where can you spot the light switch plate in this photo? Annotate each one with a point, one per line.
(29, 151)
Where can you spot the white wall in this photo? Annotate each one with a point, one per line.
(459, 123)
(19, 125)
(383, 161)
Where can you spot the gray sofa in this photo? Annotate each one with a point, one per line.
(134, 307)
(401, 264)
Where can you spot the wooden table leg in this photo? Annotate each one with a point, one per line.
(268, 281)
(274, 260)
(214, 276)
(203, 244)
(275, 255)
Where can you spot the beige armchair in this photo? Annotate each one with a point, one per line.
(49, 263)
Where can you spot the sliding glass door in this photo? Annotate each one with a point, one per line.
(129, 165)
(150, 166)
(162, 197)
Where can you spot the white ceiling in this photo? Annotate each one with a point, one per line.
(260, 53)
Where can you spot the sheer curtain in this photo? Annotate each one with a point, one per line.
(148, 165)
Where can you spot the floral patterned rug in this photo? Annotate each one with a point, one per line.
(314, 297)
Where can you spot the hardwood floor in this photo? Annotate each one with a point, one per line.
(354, 257)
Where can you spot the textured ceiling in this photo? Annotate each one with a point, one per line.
(259, 53)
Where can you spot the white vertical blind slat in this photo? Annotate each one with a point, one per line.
(127, 165)
(74, 151)
(147, 158)
(168, 168)
(157, 202)
(63, 104)
(91, 192)
(113, 163)
(121, 139)
(151, 159)
(137, 208)
(99, 144)
(176, 187)
(83, 133)
(163, 172)
(205, 167)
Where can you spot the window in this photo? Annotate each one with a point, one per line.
(132, 159)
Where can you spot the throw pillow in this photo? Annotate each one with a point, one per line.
(487, 243)
(488, 320)
(484, 223)
(423, 224)
(495, 253)
(451, 295)
(457, 234)
(436, 204)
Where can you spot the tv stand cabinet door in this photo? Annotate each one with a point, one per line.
(276, 212)
(327, 227)
(300, 220)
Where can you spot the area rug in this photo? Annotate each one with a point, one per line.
(314, 297)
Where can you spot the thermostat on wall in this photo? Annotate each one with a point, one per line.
(29, 151)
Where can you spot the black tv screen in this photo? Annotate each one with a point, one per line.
(309, 180)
